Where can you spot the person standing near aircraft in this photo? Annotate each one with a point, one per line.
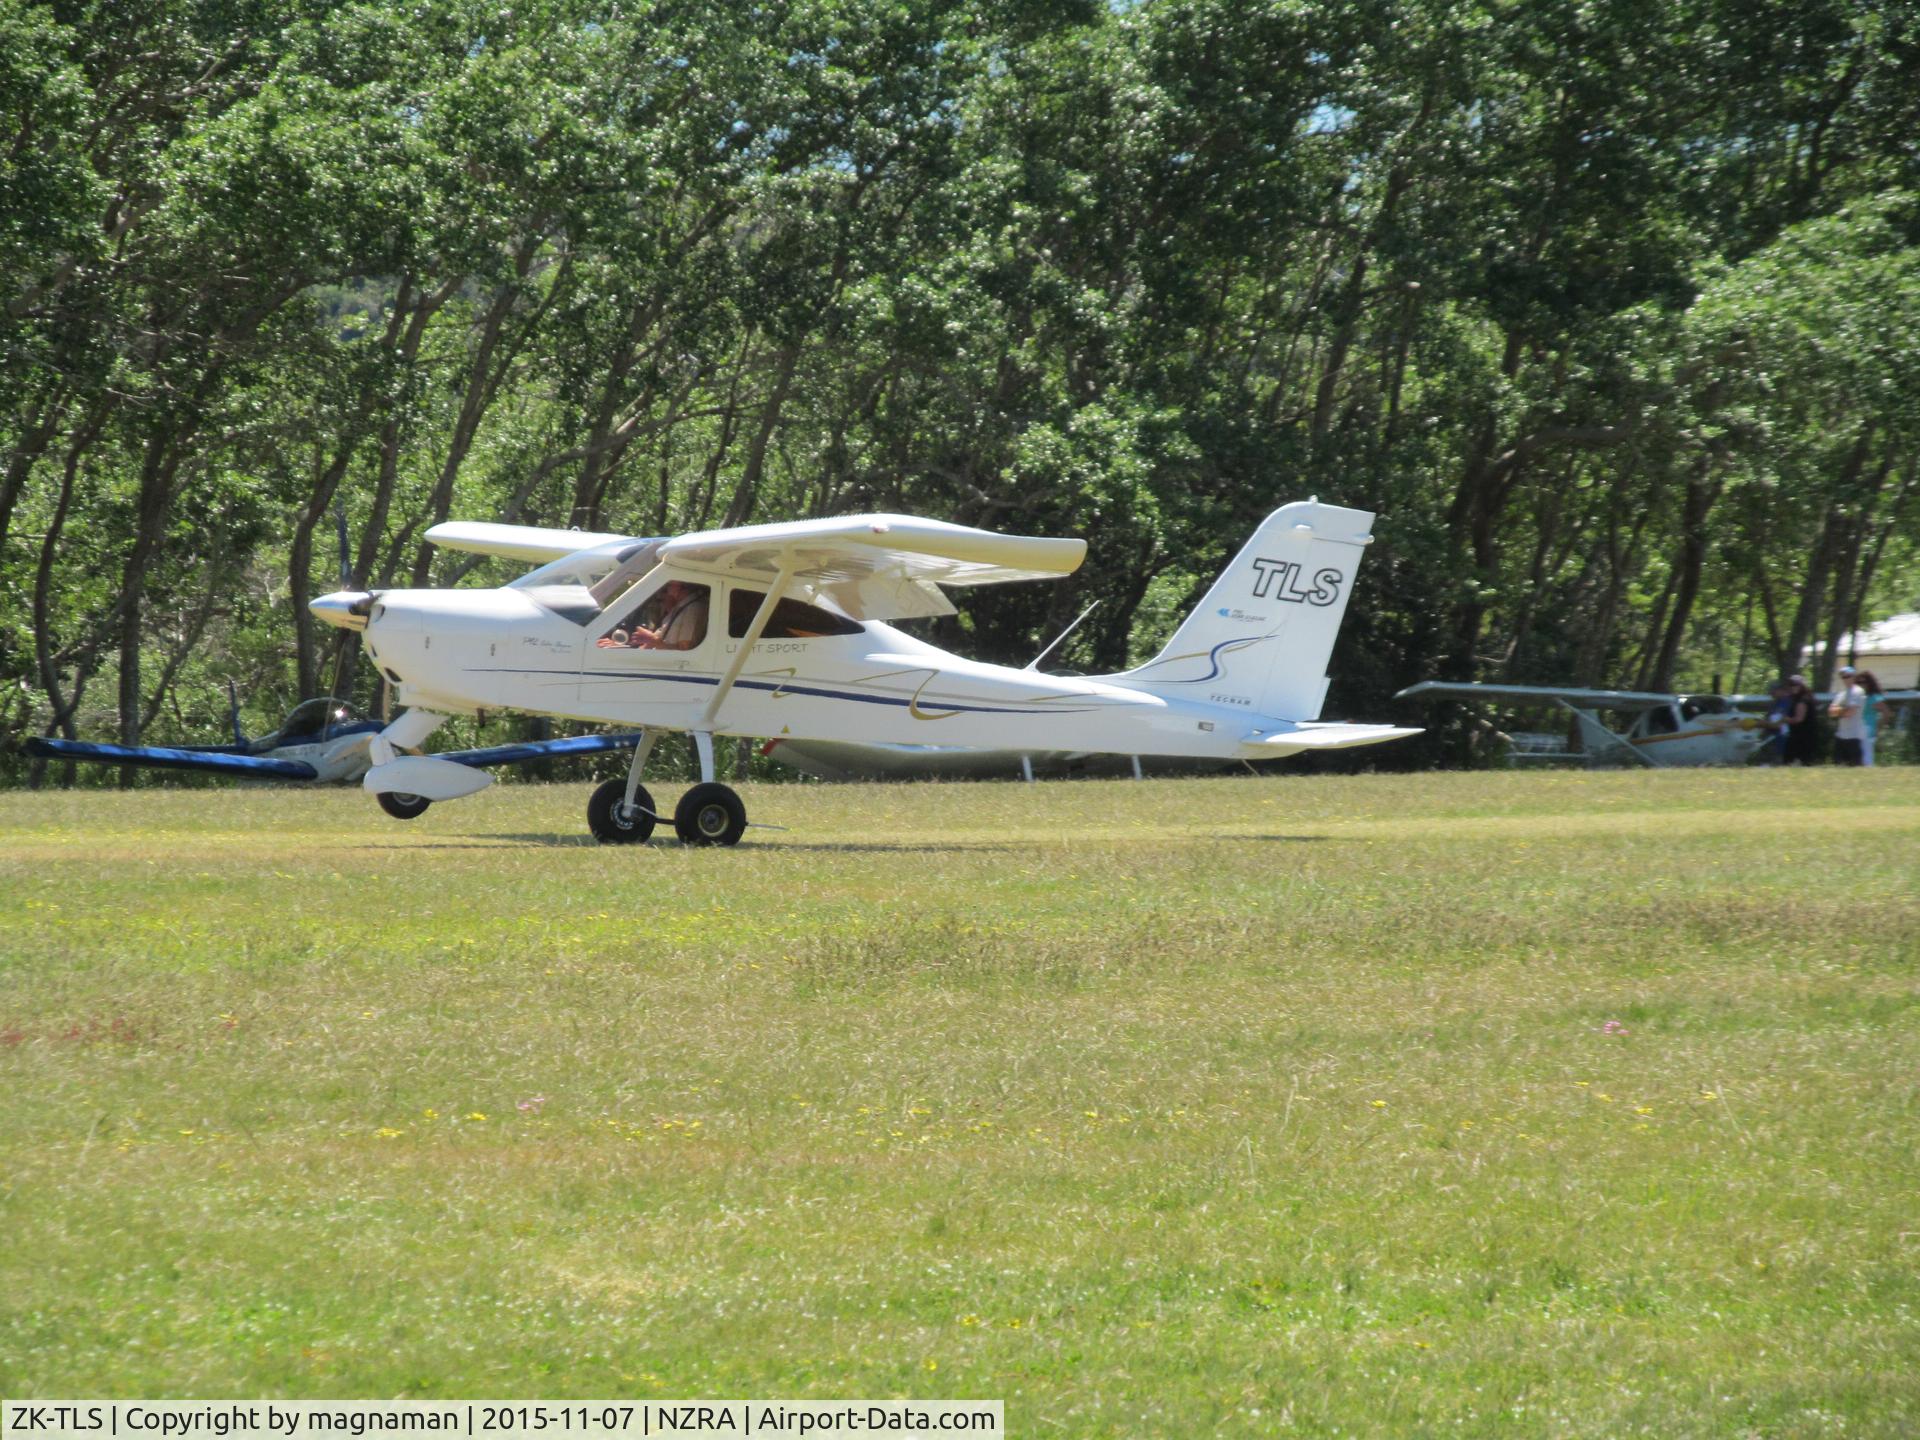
(1803, 726)
(1849, 701)
(1870, 709)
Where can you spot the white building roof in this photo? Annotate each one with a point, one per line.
(1896, 635)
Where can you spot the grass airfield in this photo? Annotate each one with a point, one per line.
(1491, 1104)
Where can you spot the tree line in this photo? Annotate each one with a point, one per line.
(1611, 311)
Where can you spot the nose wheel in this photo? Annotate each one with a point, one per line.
(402, 806)
(710, 814)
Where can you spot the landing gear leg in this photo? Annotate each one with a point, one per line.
(621, 811)
(710, 813)
(406, 733)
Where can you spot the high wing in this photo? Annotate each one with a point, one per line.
(516, 542)
(877, 567)
(1546, 694)
(539, 750)
(1604, 699)
(213, 762)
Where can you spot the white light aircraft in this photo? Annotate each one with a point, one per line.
(780, 631)
(1667, 729)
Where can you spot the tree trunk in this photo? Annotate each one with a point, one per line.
(1703, 490)
(747, 491)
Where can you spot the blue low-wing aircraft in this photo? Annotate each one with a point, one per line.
(323, 740)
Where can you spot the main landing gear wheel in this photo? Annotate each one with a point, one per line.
(610, 820)
(710, 814)
(402, 806)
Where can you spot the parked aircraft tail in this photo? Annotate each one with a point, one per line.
(1263, 635)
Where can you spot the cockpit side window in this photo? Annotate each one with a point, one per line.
(673, 617)
(1692, 707)
(791, 619)
(1660, 720)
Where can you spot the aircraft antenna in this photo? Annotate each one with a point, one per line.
(1034, 664)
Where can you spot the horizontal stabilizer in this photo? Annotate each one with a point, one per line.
(539, 750)
(211, 762)
(429, 776)
(517, 542)
(1328, 736)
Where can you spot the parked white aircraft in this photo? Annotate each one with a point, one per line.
(1667, 729)
(779, 630)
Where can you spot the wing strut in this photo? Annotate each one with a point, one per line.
(775, 593)
(1599, 739)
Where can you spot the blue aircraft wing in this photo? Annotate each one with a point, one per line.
(539, 750)
(212, 762)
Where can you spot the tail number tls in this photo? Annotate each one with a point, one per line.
(1280, 580)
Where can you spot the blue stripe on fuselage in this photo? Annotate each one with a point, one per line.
(787, 688)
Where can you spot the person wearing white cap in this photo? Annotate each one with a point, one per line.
(1849, 709)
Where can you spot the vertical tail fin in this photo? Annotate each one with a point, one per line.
(1263, 635)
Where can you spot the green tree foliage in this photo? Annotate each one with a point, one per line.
(1608, 310)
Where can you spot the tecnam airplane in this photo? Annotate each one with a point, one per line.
(779, 630)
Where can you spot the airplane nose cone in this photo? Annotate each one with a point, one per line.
(343, 609)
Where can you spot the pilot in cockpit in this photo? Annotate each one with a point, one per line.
(674, 617)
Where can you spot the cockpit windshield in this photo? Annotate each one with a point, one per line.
(584, 567)
(315, 719)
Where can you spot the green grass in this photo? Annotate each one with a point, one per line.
(1266, 1106)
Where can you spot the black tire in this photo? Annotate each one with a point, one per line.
(611, 824)
(710, 814)
(402, 806)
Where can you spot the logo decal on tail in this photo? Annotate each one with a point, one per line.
(1280, 580)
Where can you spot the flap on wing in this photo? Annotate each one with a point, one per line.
(884, 597)
(211, 762)
(893, 549)
(517, 542)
